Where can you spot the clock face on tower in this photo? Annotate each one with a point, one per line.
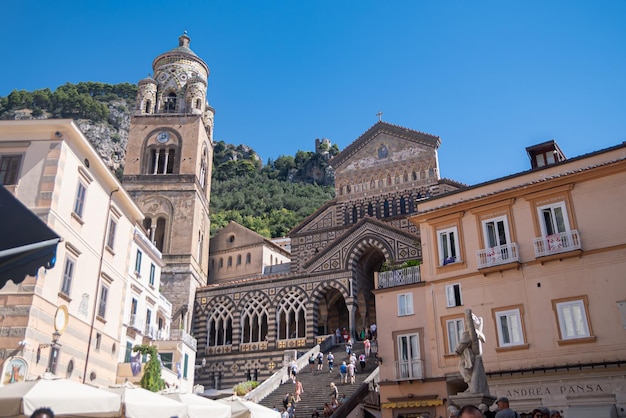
(163, 137)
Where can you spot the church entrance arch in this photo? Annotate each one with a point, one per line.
(332, 312)
(370, 261)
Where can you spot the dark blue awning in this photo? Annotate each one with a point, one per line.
(26, 242)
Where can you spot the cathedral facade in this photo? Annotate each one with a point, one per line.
(244, 325)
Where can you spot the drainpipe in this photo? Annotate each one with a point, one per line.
(95, 303)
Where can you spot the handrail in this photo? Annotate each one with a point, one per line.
(281, 376)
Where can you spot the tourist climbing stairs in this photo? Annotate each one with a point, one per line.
(316, 384)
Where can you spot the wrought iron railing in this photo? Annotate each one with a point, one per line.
(494, 256)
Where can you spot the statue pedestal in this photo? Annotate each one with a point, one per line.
(465, 398)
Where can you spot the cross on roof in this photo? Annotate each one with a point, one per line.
(379, 114)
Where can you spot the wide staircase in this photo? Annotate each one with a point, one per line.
(316, 384)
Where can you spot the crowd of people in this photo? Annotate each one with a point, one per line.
(503, 411)
(347, 373)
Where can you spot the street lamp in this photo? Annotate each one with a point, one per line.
(55, 348)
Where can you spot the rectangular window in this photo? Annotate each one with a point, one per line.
(185, 365)
(553, 219)
(138, 263)
(98, 340)
(148, 321)
(448, 246)
(453, 295)
(572, 318)
(133, 311)
(167, 360)
(111, 236)
(79, 203)
(9, 169)
(102, 304)
(509, 325)
(409, 361)
(152, 274)
(496, 232)
(455, 328)
(128, 352)
(405, 304)
(68, 274)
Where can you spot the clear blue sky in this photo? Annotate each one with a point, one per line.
(489, 77)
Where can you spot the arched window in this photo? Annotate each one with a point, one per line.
(290, 314)
(354, 214)
(200, 245)
(388, 179)
(248, 258)
(405, 177)
(238, 259)
(159, 234)
(198, 104)
(386, 209)
(203, 170)
(170, 103)
(370, 209)
(402, 205)
(221, 264)
(372, 183)
(380, 182)
(220, 326)
(230, 261)
(212, 264)
(414, 176)
(148, 107)
(254, 322)
(162, 160)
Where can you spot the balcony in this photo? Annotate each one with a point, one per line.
(499, 255)
(182, 335)
(400, 277)
(557, 243)
(409, 369)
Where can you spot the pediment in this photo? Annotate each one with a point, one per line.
(234, 235)
(394, 243)
(384, 144)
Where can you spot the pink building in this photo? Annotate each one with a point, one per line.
(540, 256)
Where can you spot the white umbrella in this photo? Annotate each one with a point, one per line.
(199, 407)
(141, 403)
(241, 408)
(62, 396)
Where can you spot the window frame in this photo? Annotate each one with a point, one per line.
(450, 248)
(450, 292)
(447, 343)
(405, 304)
(496, 236)
(68, 279)
(554, 227)
(102, 300)
(11, 172)
(152, 276)
(411, 370)
(111, 233)
(80, 199)
(583, 303)
(516, 311)
(138, 258)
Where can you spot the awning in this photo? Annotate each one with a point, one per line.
(26, 242)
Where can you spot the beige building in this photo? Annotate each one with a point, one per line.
(236, 252)
(539, 256)
(67, 319)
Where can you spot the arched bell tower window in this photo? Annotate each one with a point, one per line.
(198, 104)
(170, 103)
(162, 160)
(159, 233)
(203, 169)
(148, 108)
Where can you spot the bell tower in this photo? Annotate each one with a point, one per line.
(168, 170)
